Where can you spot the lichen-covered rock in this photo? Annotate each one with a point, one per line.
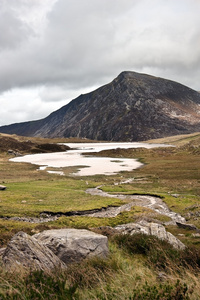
(73, 245)
(148, 228)
(24, 251)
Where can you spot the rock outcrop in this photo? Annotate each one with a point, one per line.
(155, 229)
(73, 245)
(52, 249)
(25, 252)
(57, 248)
(133, 107)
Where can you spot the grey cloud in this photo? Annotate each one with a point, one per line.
(13, 30)
(88, 41)
(77, 45)
(98, 42)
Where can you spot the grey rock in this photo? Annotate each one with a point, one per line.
(196, 235)
(31, 219)
(73, 245)
(25, 252)
(155, 229)
(175, 195)
(187, 226)
(192, 214)
(2, 187)
(15, 153)
(2, 251)
(10, 151)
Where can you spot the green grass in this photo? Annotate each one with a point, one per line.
(31, 198)
(130, 272)
(127, 274)
(167, 171)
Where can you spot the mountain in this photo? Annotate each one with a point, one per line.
(133, 107)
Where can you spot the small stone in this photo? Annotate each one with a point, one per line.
(10, 151)
(175, 195)
(196, 235)
(2, 187)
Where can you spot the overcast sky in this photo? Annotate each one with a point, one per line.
(51, 51)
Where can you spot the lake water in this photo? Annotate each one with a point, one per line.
(87, 165)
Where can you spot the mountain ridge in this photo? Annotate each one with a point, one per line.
(133, 107)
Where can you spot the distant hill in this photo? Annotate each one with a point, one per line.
(16, 145)
(133, 107)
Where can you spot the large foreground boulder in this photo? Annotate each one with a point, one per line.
(151, 228)
(73, 245)
(24, 251)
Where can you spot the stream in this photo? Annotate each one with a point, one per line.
(90, 165)
(152, 202)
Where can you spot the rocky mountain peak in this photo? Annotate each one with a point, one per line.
(133, 107)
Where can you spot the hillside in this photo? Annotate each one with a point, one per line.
(133, 107)
(17, 145)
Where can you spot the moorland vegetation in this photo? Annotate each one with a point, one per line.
(139, 266)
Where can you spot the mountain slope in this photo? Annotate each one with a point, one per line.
(132, 107)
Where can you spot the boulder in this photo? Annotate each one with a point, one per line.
(73, 245)
(24, 251)
(2, 187)
(151, 228)
(187, 226)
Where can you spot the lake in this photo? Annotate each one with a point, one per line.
(87, 165)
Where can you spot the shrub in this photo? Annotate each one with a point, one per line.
(58, 285)
(162, 292)
(169, 291)
(91, 272)
(159, 253)
(38, 285)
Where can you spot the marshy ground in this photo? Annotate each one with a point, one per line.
(170, 173)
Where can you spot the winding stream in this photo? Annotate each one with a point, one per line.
(90, 165)
(154, 203)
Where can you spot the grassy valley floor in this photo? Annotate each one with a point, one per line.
(138, 267)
